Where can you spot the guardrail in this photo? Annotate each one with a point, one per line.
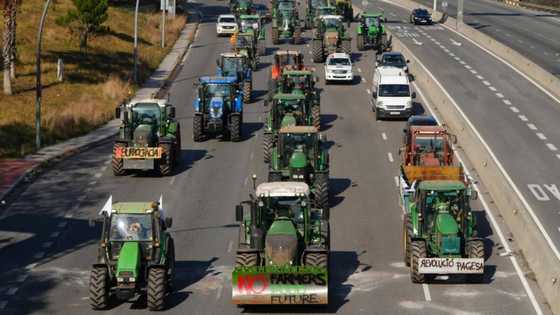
(528, 5)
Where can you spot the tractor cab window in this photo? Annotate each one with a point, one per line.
(285, 5)
(292, 142)
(326, 11)
(441, 202)
(218, 90)
(296, 82)
(290, 106)
(232, 65)
(131, 227)
(331, 22)
(393, 60)
(290, 207)
(288, 59)
(374, 21)
(146, 113)
(429, 144)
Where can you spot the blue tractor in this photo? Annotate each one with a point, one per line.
(218, 108)
(234, 64)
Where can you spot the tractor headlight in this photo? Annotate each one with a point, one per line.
(120, 279)
(132, 279)
(295, 176)
(300, 176)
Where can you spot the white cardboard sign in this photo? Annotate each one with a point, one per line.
(451, 265)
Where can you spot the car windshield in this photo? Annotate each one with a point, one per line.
(422, 12)
(394, 61)
(233, 65)
(146, 113)
(227, 20)
(395, 90)
(426, 144)
(218, 89)
(339, 62)
(131, 227)
(331, 22)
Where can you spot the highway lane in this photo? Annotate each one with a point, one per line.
(368, 273)
(534, 34)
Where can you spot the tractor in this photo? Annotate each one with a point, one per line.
(234, 64)
(285, 22)
(330, 37)
(244, 44)
(218, 108)
(283, 252)
(301, 155)
(149, 137)
(287, 110)
(371, 33)
(251, 24)
(284, 59)
(320, 11)
(344, 9)
(241, 7)
(136, 254)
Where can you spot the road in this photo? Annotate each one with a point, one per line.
(533, 34)
(47, 273)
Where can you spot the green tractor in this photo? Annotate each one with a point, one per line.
(241, 7)
(311, 11)
(283, 252)
(285, 22)
(344, 9)
(136, 254)
(246, 45)
(149, 137)
(287, 110)
(439, 231)
(371, 32)
(330, 37)
(321, 11)
(251, 24)
(300, 154)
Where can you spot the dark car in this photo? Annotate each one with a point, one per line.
(420, 16)
(392, 59)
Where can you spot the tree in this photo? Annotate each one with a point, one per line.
(86, 19)
(9, 38)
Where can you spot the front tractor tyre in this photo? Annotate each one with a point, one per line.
(167, 161)
(157, 287)
(318, 56)
(407, 239)
(475, 249)
(296, 39)
(235, 128)
(317, 260)
(98, 288)
(321, 192)
(117, 164)
(247, 90)
(267, 147)
(246, 260)
(275, 36)
(316, 116)
(197, 128)
(418, 250)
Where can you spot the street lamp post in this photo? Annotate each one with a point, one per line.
(38, 86)
(135, 52)
(459, 13)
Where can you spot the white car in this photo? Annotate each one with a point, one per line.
(392, 93)
(338, 67)
(226, 24)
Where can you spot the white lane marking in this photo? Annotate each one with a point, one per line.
(507, 102)
(31, 266)
(62, 224)
(245, 181)
(532, 126)
(97, 175)
(22, 278)
(252, 155)
(416, 41)
(493, 89)
(457, 58)
(368, 91)
(427, 295)
(541, 136)
(219, 293)
(11, 291)
(47, 244)
(384, 136)
(104, 168)
(69, 215)
(172, 181)
(360, 70)
(364, 80)
(390, 156)
(456, 43)
(230, 246)
(551, 147)
(523, 117)
(498, 229)
(514, 109)
(462, 62)
(397, 183)
(500, 95)
(558, 156)
(480, 77)
(451, 54)
(3, 304)
(39, 255)
(486, 83)
(436, 42)
(92, 183)
(307, 45)
(473, 71)
(107, 162)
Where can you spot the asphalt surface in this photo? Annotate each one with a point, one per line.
(534, 34)
(47, 272)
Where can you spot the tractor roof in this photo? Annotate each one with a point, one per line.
(232, 55)
(288, 52)
(430, 130)
(218, 80)
(160, 102)
(288, 96)
(441, 185)
(132, 207)
(297, 72)
(282, 189)
(324, 17)
(372, 14)
(298, 129)
(326, 7)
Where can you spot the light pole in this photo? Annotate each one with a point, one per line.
(38, 86)
(135, 52)
(459, 13)
(434, 8)
(164, 7)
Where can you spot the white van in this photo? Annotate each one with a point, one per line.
(392, 93)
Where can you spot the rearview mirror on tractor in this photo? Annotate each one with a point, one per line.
(171, 111)
(474, 195)
(168, 222)
(125, 116)
(239, 213)
(118, 112)
(413, 94)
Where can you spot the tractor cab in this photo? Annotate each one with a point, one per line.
(297, 82)
(289, 59)
(373, 20)
(428, 146)
(245, 45)
(297, 146)
(250, 23)
(288, 110)
(232, 64)
(331, 23)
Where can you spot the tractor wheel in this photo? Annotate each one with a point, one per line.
(321, 186)
(98, 288)
(418, 250)
(296, 39)
(171, 264)
(360, 42)
(274, 177)
(275, 36)
(475, 249)
(318, 56)
(166, 162)
(117, 164)
(247, 90)
(267, 147)
(346, 46)
(235, 128)
(316, 260)
(246, 260)
(156, 288)
(407, 233)
(197, 128)
(316, 116)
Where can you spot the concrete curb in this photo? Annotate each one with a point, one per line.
(53, 154)
(543, 263)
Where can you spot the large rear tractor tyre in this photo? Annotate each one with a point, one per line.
(157, 288)
(347, 46)
(418, 250)
(318, 56)
(316, 116)
(360, 42)
(274, 177)
(247, 91)
(296, 39)
(197, 128)
(98, 288)
(316, 260)
(246, 260)
(171, 265)
(235, 128)
(275, 36)
(267, 147)
(321, 193)
(117, 164)
(166, 162)
(475, 249)
(407, 239)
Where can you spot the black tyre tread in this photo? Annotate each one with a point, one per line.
(418, 250)
(316, 116)
(360, 42)
(178, 143)
(166, 162)
(475, 249)
(317, 52)
(171, 264)
(322, 192)
(117, 164)
(235, 128)
(197, 128)
(157, 288)
(407, 239)
(98, 290)
(246, 260)
(317, 260)
(267, 147)
(247, 91)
